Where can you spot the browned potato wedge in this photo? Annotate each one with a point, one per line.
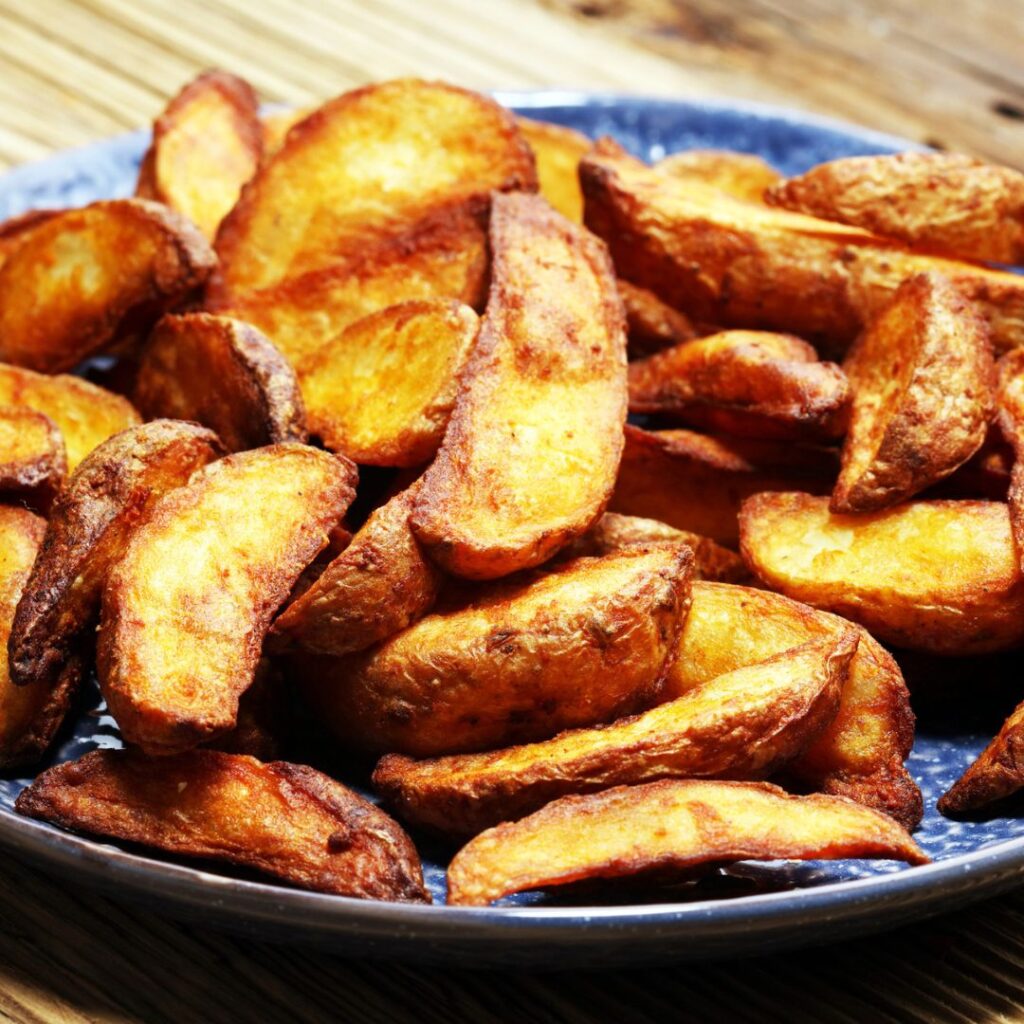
(585, 643)
(206, 145)
(945, 201)
(532, 448)
(743, 725)
(652, 324)
(939, 576)
(673, 824)
(33, 462)
(102, 504)
(749, 383)
(15, 230)
(262, 727)
(742, 175)
(382, 391)
(281, 819)
(923, 381)
(224, 374)
(186, 608)
(1010, 418)
(557, 150)
(107, 269)
(741, 264)
(276, 126)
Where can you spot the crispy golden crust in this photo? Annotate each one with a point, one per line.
(224, 374)
(946, 201)
(105, 270)
(669, 826)
(652, 324)
(33, 462)
(558, 151)
(15, 230)
(532, 448)
(742, 175)
(939, 576)
(923, 381)
(186, 608)
(284, 820)
(1010, 421)
(583, 644)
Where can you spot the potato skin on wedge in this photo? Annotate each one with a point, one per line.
(283, 820)
(673, 825)
(33, 462)
(186, 608)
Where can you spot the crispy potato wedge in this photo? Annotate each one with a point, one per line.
(94, 274)
(652, 325)
(532, 448)
(283, 820)
(1010, 420)
(186, 608)
(262, 727)
(224, 374)
(558, 151)
(748, 383)
(15, 230)
(383, 390)
(362, 169)
(524, 659)
(945, 201)
(33, 462)
(742, 175)
(939, 576)
(676, 825)
(697, 483)
(741, 264)
(743, 725)
(923, 382)
(206, 145)
(100, 507)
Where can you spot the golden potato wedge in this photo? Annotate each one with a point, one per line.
(939, 576)
(557, 150)
(673, 824)
(185, 610)
(923, 382)
(15, 230)
(109, 268)
(748, 383)
(742, 175)
(944, 201)
(275, 128)
(741, 264)
(100, 507)
(33, 462)
(206, 145)
(585, 643)
(743, 725)
(224, 374)
(532, 448)
(362, 169)
(697, 483)
(283, 820)
(382, 391)
(1010, 422)
(262, 727)
(652, 325)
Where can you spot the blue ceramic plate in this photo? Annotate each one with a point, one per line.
(749, 909)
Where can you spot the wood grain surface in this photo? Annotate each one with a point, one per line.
(949, 74)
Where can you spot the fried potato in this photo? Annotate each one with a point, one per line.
(923, 381)
(652, 324)
(276, 126)
(224, 374)
(362, 169)
(946, 201)
(262, 727)
(1010, 420)
(532, 448)
(185, 610)
(742, 175)
(986, 474)
(283, 820)
(93, 274)
(748, 383)
(557, 150)
(697, 483)
(939, 576)
(676, 825)
(15, 230)
(524, 659)
(743, 725)
(100, 507)
(33, 462)
(739, 264)
(382, 391)
(206, 145)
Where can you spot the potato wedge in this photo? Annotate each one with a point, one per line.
(939, 576)
(585, 643)
(276, 126)
(33, 462)
(283, 820)
(747, 383)
(100, 507)
(107, 269)
(673, 824)
(743, 725)
(224, 374)
(923, 382)
(741, 175)
(262, 727)
(15, 230)
(557, 150)
(1010, 420)
(532, 448)
(383, 390)
(652, 325)
(186, 608)
(945, 201)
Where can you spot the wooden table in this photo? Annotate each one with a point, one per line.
(948, 74)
